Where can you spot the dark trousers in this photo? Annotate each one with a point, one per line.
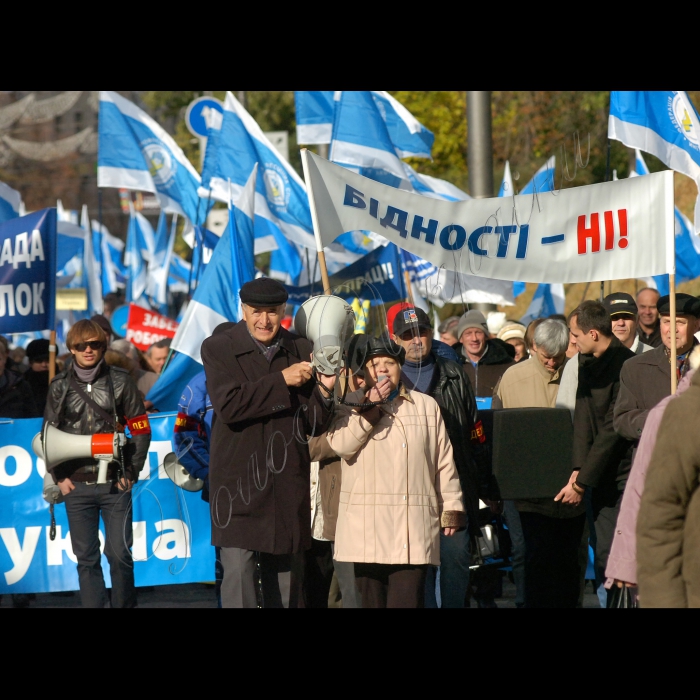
(391, 585)
(84, 505)
(552, 569)
(517, 541)
(318, 574)
(257, 578)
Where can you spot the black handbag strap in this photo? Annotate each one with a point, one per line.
(110, 420)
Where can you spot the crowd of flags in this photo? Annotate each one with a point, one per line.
(369, 132)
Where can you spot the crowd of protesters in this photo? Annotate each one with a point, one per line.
(386, 497)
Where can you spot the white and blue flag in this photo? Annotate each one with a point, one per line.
(113, 270)
(135, 152)
(281, 203)
(314, 115)
(138, 253)
(10, 203)
(92, 270)
(159, 264)
(687, 241)
(179, 277)
(215, 301)
(542, 180)
(661, 122)
(548, 299)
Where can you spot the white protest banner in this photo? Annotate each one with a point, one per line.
(607, 231)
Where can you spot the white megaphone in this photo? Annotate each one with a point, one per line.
(57, 447)
(179, 475)
(327, 321)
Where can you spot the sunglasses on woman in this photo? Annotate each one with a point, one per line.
(92, 344)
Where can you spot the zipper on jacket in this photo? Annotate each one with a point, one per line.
(330, 494)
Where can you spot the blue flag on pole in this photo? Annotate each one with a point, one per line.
(139, 250)
(179, 276)
(205, 242)
(547, 300)
(113, 270)
(661, 122)
(281, 203)
(92, 269)
(215, 301)
(159, 265)
(135, 152)
(28, 272)
(10, 201)
(542, 180)
(314, 115)
(687, 241)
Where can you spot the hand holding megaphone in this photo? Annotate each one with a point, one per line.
(381, 390)
(298, 374)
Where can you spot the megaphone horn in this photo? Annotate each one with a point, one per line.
(179, 475)
(57, 447)
(326, 321)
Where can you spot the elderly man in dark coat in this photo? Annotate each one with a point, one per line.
(646, 378)
(266, 402)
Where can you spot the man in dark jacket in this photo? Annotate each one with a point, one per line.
(602, 458)
(89, 398)
(265, 404)
(16, 398)
(446, 382)
(646, 379)
(484, 360)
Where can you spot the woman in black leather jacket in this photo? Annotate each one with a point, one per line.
(88, 398)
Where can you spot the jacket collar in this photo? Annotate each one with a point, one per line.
(243, 343)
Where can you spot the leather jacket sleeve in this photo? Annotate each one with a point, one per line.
(136, 449)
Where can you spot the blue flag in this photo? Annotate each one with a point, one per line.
(92, 268)
(10, 201)
(205, 242)
(135, 152)
(113, 270)
(687, 242)
(547, 300)
(542, 180)
(661, 122)
(376, 276)
(139, 249)
(281, 203)
(215, 301)
(28, 272)
(178, 279)
(314, 115)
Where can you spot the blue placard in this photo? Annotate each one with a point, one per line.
(28, 273)
(172, 527)
(483, 402)
(194, 117)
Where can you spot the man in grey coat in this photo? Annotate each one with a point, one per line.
(646, 378)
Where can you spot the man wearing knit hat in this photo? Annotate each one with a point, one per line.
(266, 400)
(485, 360)
(37, 376)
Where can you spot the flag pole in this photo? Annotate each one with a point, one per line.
(674, 349)
(52, 356)
(314, 220)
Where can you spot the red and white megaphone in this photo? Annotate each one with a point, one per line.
(58, 447)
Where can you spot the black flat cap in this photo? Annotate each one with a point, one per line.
(685, 304)
(263, 291)
(620, 303)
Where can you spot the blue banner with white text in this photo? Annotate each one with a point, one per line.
(28, 273)
(172, 527)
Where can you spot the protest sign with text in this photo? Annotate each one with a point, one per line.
(172, 528)
(147, 327)
(28, 273)
(607, 231)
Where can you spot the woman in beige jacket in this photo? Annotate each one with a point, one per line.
(399, 485)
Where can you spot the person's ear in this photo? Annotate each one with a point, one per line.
(594, 335)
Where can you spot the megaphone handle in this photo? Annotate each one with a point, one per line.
(52, 529)
(102, 471)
